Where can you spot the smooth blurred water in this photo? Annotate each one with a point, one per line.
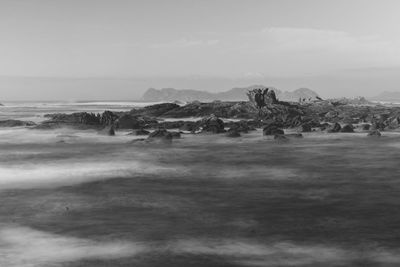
(204, 200)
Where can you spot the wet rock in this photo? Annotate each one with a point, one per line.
(160, 135)
(16, 123)
(212, 124)
(366, 127)
(189, 126)
(233, 133)
(281, 138)
(175, 135)
(348, 128)
(306, 128)
(141, 132)
(272, 129)
(108, 130)
(335, 128)
(374, 133)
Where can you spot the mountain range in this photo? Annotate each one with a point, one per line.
(234, 94)
(387, 96)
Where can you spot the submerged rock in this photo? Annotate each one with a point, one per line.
(281, 137)
(109, 130)
(335, 128)
(160, 135)
(374, 133)
(348, 128)
(212, 124)
(141, 132)
(272, 129)
(233, 133)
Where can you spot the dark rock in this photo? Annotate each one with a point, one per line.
(141, 132)
(175, 135)
(348, 128)
(108, 130)
(272, 129)
(375, 133)
(233, 133)
(127, 121)
(306, 127)
(281, 137)
(156, 110)
(160, 135)
(366, 127)
(335, 128)
(16, 123)
(189, 126)
(212, 124)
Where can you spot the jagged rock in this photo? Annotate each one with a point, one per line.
(141, 132)
(161, 135)
(335, 128)
(156, 110)
(348, 128)
(272, 129)
(189, 126)
(175, 135)
(127, 121)
(212, 124)
(306, 127)
(281, 137)
(375, 133)
(108, 130)
(233, 133)
(366, 127)
(16, 123)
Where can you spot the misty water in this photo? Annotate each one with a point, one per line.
(77, 198)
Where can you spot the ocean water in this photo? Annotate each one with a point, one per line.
(204, 200)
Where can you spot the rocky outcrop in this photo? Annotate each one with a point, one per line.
(212, 124)
(233, 133)
(335, 128)
(16, 123)
(374, 133)
(348, 128)
(273, 129)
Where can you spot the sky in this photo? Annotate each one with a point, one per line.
(116, 49)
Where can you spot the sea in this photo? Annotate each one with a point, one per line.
(74, 198)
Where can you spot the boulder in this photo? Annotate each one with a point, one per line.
(127, 121)
(306, 128)
(281, 137)
(335, 128)
(272, 129)
(366, 127)
(348, 128)
(233, 133)
(189, 126)
(141, 132)
(108, 130)
(161, 135)
(212, 124)
(374, 133)
(175, 135)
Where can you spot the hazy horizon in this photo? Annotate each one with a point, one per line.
(79, 50)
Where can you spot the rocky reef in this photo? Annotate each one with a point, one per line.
(236, 118)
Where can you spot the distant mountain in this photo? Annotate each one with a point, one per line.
(387, 97)
(234, 94)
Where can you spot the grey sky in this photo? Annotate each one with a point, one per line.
(140, 44)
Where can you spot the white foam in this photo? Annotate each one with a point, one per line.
(26, 247)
